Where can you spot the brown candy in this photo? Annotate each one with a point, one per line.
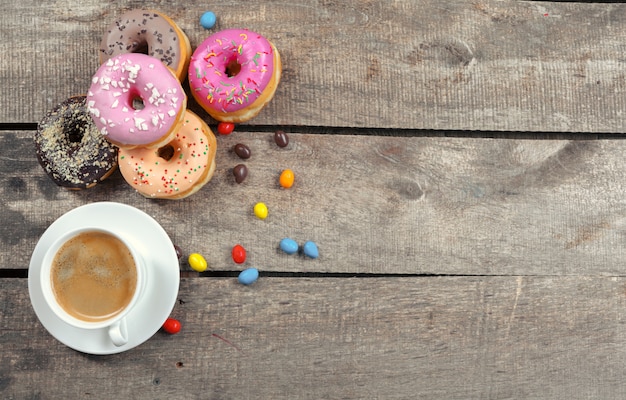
(240, 172)
(179, 251)
(281, 139)
(242, 151)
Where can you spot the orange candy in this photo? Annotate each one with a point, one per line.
(286, 178)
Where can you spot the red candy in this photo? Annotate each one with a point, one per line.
(225, 128)
(239, 254)
(171, 326)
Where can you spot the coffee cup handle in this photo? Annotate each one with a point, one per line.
(118, 332)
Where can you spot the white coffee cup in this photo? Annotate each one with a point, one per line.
(93, 271)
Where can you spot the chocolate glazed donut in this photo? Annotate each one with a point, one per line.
(151, 33)
(71, 149)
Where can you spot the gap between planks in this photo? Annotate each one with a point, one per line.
(23, 274)
(392, 132)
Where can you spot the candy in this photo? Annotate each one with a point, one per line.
(197, 262)
(207, 20)
(171, 326)
(286, 178)
(225, 128)
(242, 151)
(289, 246)
(248, 276)
(260, 210)
(179, 251)
(310, 249)
(281, 139)
(240, 172)
(239, 254)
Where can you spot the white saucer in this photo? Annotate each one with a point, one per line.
(162, 276)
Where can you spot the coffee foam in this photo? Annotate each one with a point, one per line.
(93, 276)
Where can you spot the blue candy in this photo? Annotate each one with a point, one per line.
(289, 246)
(248, 276)
(207, 20)
(310, 250)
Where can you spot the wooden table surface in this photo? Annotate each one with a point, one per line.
(460, 165)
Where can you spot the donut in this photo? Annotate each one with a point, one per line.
(70, 148)
(176, 170)
(233, 74)
(148, 32)
(135, 100)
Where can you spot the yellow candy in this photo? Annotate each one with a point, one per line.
(197, 262)
(286, 178)
(260, 210)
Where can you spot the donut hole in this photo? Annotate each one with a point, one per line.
(137, 103)
(233, 68)
(166, 152)
(141, 48)
(75, 133)
(74, 130)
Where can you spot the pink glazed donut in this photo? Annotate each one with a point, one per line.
(135, 100)
(234, 73)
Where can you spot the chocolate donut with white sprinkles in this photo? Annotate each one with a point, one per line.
(71, 149)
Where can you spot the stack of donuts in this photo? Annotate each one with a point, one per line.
(135, 114)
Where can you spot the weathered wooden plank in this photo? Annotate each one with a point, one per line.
(372, 204)
(482, 65)
(427, 337)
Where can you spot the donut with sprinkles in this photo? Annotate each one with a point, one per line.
(70, 149)
(234, 73)
(177, 169)
(135, 100)
(149, 32)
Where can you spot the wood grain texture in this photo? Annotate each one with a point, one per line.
(372, 204)
(427, 64)
(450, 268)
(420, 338)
